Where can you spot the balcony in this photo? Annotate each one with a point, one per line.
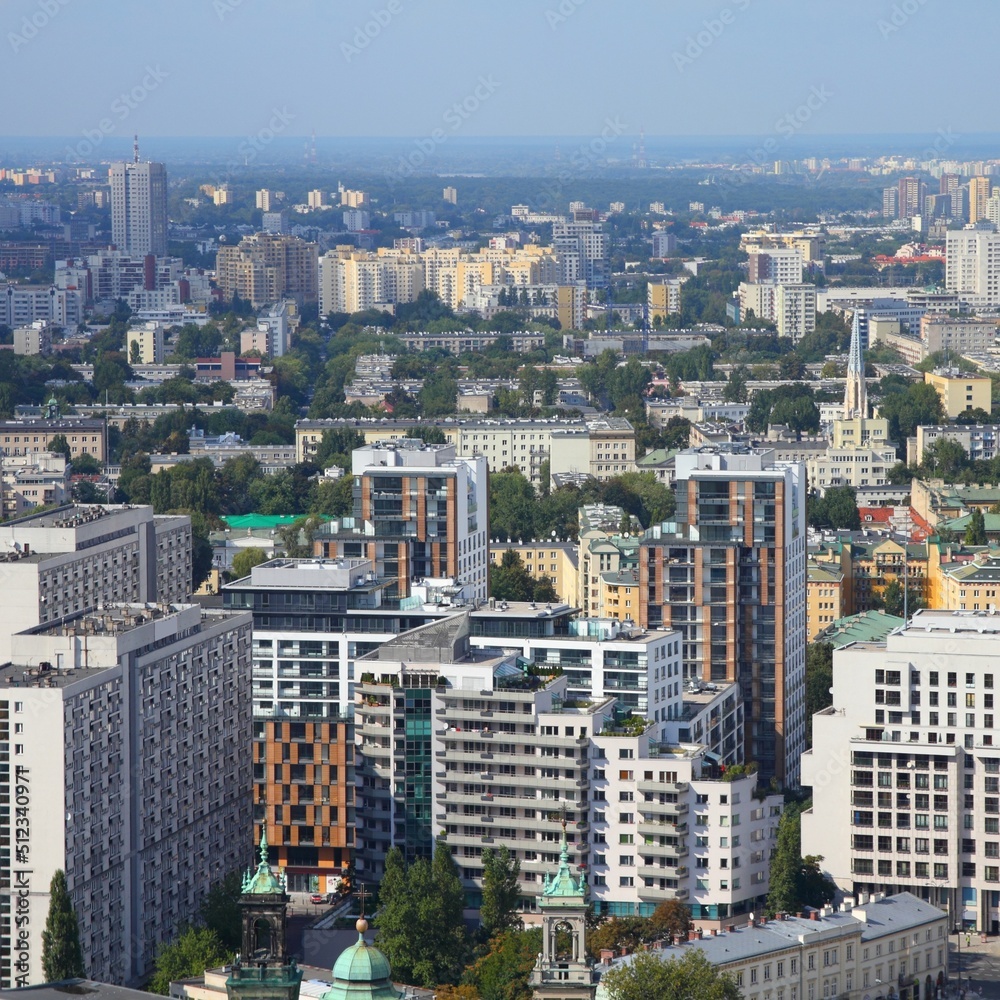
(663, 850)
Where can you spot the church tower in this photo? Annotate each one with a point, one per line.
(855, 393)
(562, 971)
(263, 971)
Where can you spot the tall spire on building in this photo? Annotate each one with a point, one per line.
(855, 397)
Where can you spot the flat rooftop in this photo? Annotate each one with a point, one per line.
(523, 609)
(112, 619)
(67, 516)
(43, 676)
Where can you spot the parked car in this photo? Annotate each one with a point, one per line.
(317, 897)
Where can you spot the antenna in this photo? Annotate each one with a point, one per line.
(135, 148)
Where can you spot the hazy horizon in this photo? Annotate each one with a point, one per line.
(546, 69)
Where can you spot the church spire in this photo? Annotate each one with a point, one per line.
(855, 396)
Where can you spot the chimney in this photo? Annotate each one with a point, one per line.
(715, 932)
(607, 955)
(731, 928)
(814, 915)
(692, 935)
(803, 915)
(753, 923)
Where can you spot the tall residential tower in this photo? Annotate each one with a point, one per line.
(139, 207)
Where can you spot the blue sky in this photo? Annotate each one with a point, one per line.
(516, 67)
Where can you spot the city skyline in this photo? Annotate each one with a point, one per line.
(668, 71)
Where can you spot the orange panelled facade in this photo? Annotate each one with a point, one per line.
(304, 777)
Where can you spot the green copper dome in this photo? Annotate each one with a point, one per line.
(563, 885)
(362, 972)
(262, 882)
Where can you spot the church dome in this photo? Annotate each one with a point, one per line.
(361, 972)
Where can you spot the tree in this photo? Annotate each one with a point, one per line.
(429, 434)
(975, 532)
(501, 892)
(945, 459)
(735, 390)
(394, 920)
(510, 581)
(512, 505)
(134, 353)
(420, 917)
(837, 509)
(61, 954)
(58, 445)
(670, 918)
(908, 408)
(783, 896)
(819, 680)
(503, 972)
(193, 951)
(245, 560)
(336, 445)
(796, 881)
(220, 910)
(891, 599)
(690, 977)
(86, 465)
(617, 933)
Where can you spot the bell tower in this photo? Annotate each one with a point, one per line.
(263, 971)
(562, 971)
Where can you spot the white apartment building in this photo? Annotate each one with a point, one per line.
(795, 310)
(980, 441)
(312, 619)
(352, 281)
(905, 770)
(583, 252)
(38, 479)
(497, 753)
(123, 738)
(885, 946)
(69, 560)
(602, 658)
(666, 822)
(941, 332)
(972, 266)
(851, 467)
(780, 265)
(139, 207)
(22, 305)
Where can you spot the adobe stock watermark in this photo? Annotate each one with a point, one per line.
(253, 145)
(946, 138)
(712, 29)
(787, 125)
(34, 23)
(899, 15)
(223, 8)
(563, 12)
(454, 118)
(121, 107)
(365, 34)
(582, 161)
